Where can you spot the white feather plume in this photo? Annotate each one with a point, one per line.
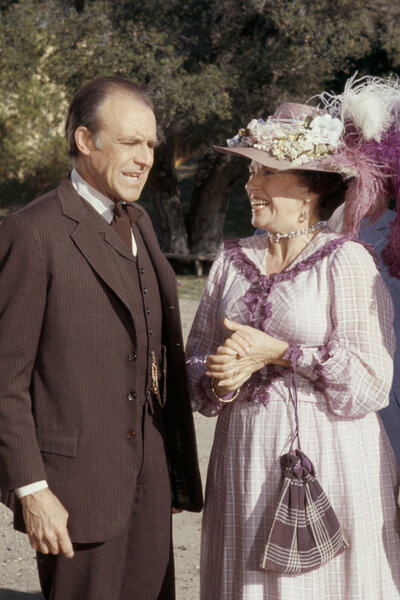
(371, 103)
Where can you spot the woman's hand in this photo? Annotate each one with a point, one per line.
(246, 351)
(229, 371)
(247, 341)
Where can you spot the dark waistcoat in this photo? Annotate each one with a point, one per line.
(142, 289)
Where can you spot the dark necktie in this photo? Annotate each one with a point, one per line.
(122, 224)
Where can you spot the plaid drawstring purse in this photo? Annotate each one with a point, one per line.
(305, 532)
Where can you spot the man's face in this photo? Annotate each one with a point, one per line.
(117, 161)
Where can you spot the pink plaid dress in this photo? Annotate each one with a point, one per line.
(334, 304)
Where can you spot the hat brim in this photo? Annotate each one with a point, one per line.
(265, 159)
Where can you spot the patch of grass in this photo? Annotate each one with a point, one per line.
(191, 287)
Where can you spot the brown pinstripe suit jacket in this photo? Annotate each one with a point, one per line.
(64, 342)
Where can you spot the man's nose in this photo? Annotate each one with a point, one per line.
(144, 156)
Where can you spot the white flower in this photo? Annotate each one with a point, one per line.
(252, 124)
(280, 133)
(260, 130)
(326, 130)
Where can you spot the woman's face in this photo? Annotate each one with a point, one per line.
(278, 200)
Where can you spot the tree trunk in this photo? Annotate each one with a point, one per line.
(168, 213)
(209, 203)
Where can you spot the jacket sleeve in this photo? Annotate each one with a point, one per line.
(354, 368)
(23, 286)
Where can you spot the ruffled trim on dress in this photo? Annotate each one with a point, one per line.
(256, 298)
(292, 354)
(256, 389)
(324, 352)
(259, 309)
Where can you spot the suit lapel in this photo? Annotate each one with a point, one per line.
(115, 241)
(94, 238)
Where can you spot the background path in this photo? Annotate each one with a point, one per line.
(18, 578)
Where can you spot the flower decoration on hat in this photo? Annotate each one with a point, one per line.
(298, 140)
(326, 130)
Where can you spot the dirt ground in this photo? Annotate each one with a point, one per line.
(18, 578)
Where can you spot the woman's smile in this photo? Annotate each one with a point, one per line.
(258, 203)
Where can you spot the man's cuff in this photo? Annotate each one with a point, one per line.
(29, 489)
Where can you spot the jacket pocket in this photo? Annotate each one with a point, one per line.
(53, 441)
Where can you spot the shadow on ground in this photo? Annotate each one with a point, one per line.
(15, 595)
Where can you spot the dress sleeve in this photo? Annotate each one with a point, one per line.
(354, 368)
(206, 334)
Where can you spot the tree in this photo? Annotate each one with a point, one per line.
(32, 153)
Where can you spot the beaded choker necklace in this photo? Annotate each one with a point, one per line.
(277, 237)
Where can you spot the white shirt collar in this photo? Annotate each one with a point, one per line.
(103, 205)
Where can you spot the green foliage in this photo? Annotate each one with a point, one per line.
(48, 49)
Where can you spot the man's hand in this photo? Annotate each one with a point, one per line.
(46, 523)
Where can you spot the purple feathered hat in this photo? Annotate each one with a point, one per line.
(356, 134)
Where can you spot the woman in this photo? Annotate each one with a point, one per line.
(300, 285)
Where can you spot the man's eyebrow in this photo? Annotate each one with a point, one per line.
(137, 138)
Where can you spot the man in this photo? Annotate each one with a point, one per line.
(96, 427)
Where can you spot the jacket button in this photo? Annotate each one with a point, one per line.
(147, 311)
(132, 357)
(145, 291)
(131, 434)
(150, 332)
(141, 270)
(132, 396)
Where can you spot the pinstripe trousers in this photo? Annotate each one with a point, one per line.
(137, 564)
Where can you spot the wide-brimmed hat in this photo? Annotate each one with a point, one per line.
(355, 134)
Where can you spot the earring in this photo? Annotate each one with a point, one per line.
(304, 212)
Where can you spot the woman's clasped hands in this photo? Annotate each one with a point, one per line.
(244, 352)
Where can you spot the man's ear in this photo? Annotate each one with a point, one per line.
(84, 140)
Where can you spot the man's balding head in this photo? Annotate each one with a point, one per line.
(84, 107)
